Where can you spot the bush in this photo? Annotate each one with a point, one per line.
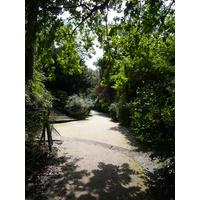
(38, 102)
(152, 113)
(123, 113)
(120, 112)
(102, 105)
(113, 111)
(78, 107)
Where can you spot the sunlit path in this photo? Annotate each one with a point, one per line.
(97, 162)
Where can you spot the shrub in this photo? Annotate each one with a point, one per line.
(113, 111)
(152, 113)
(123, 113)
(97, 104)
(78, 107)
(102, 105)
(38, 102)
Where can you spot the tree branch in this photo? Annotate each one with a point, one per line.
(102, 6)
(67, 7)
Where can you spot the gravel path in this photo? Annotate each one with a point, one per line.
(98, 161)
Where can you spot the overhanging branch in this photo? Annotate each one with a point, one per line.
(67, 7)
(102, 6)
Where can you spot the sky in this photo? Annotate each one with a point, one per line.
(99, 54)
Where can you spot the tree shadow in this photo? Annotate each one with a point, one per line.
(68, 179)
(114, 182)
(38, 166)
(162, 179)
(50, 182)
(108, 181)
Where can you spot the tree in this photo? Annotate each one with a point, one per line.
(42, 18)
(138, 61)
(47, 35)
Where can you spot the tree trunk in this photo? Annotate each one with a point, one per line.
(31, 29)
(29, 62)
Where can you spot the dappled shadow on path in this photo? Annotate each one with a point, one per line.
(114, 182)
(106, 182)
(39, 167)
(162, 179)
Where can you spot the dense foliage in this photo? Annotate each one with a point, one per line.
(78, 107)
(38, 102)
(67, 85)
(139, 64)
(51, 43)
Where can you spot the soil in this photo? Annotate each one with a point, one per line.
(96, 159)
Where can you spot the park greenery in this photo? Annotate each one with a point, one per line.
(137, 72)
(135, 78)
